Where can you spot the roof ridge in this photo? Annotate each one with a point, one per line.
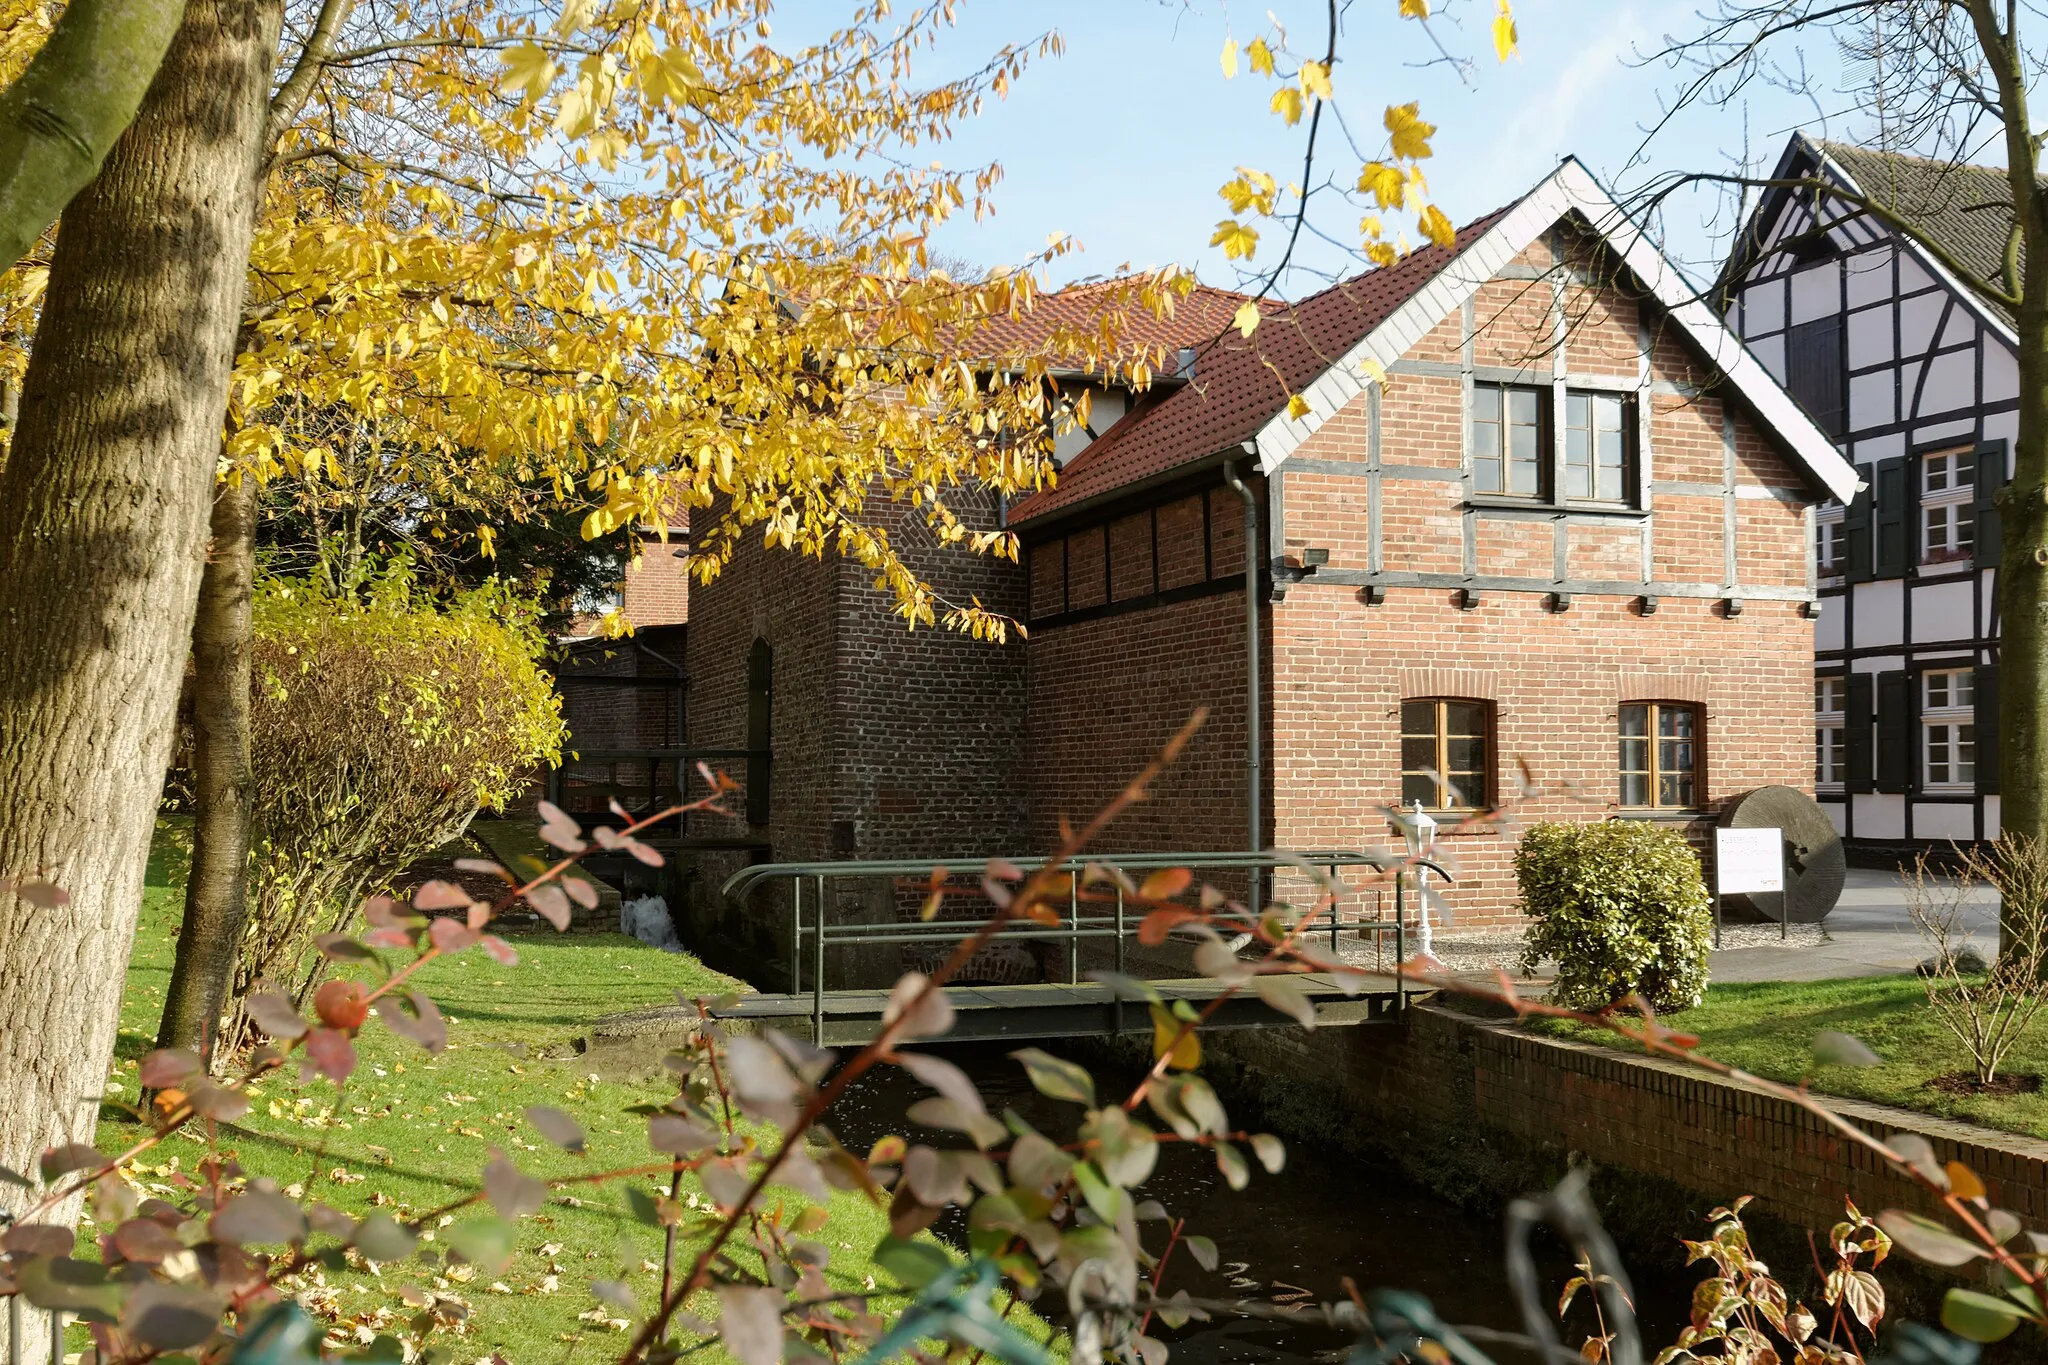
(1111, 281)
(1831, 145)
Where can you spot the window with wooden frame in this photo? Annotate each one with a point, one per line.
(1660, 752)
(1948, 729)
(1948, 514)
(1596, 447)
(1510, 453)
(1445, 753)
(1830, 732)
(1830, 540)
(1513, 445)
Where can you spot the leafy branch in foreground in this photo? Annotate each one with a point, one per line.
(748, 1172)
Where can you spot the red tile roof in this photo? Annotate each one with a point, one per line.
(1095, 307)
(1241, 382)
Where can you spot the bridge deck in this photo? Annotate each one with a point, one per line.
(852, 1018)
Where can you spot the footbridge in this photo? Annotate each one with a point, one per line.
(853, 927)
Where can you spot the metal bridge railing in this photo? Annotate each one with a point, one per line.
(1115, 925)
(17, 1309)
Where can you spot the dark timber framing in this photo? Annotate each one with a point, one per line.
(1924, 367)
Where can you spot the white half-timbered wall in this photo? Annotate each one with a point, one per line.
(1923, 367)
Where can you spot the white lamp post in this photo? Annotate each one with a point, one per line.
(1421, 834)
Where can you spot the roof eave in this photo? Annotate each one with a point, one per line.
(1056, 516)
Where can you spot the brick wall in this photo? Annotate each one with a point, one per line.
(929, 752)
(789, 601)
(1436, 1081)
(1555, 680)
(657, 588)
(1106, 691)
(892, 743)
(887, 742)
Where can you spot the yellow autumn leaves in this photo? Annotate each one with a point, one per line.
(1393, 180)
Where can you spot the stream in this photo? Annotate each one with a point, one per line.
(1287, 1239)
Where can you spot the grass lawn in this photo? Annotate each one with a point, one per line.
(1768, 1028)
(410, 1132)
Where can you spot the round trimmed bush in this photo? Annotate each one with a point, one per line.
(1621, 906)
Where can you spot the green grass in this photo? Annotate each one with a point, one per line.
(1768, 1028)
(411, 1132)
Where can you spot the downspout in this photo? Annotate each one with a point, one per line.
(1253, 816)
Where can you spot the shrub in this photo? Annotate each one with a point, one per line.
(1622, 908)
(1987, 1009)
(380, 723)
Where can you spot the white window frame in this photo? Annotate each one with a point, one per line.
(1830, 541)
(1830, 732)
(1948, 730)
(1948, 506)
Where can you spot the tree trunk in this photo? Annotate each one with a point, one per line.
(2023, 599)
(103, 515)
(59, 118)
(217, 891)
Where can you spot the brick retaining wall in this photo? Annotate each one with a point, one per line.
(1441, 1084)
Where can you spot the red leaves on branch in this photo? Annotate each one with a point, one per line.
(552, 902)
(329, 1053)
(167, 1067)
(439, 895)
(1155, 927)
(274, 1014)
(423, 1026)
(340, 1005)
(1165, 884)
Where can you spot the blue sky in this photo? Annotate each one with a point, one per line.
(1123, 141)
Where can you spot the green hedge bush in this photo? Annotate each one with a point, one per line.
(1621, 906)
(381, 721)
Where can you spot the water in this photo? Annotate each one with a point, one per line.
(1287, 1240)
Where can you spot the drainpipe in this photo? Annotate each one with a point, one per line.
(1255, 823)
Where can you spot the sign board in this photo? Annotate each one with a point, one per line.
(1749, 860)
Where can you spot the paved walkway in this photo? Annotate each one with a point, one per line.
(1870, 933)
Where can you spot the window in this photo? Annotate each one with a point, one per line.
(1512, 444)
(1595, 447)
(1948, 729)
(1830, 732)
(1948, 486)
(1508, 449)
(1443, 754)
(1813, 371)
(1830, 541)
(1659, 755)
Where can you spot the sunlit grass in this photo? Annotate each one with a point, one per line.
(1768, 1028)
(411, 1132)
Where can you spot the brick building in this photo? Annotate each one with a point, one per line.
(624, 698)
(1543, 509)
(1917, 376)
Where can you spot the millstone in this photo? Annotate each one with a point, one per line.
(1815, 864)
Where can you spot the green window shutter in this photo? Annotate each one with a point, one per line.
(1990, 543)
(1891, 519)
(1894, 732)
(1856, 533)
(1987, 727)
(1856, 716)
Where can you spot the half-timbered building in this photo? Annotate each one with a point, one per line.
(1543, 515)
(1915, 377)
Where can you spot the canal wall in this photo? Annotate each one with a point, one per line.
(1480, 1110)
